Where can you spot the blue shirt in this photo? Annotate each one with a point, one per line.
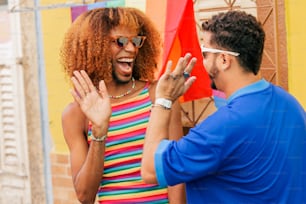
(250, 151)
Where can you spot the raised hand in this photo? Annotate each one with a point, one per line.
(172, 85)
(94, 103)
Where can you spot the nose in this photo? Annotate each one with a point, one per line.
(130, 47)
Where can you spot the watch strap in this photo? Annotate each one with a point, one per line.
(164, 102)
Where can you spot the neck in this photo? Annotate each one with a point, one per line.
(122, 90)
(239, 82)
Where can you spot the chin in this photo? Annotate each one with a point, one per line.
(122, 79)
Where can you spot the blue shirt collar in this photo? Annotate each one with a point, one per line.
(254, 87)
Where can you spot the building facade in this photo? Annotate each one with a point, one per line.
(34, 159)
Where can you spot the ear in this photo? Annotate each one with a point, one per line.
(225, 61)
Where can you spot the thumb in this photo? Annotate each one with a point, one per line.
(103, 89)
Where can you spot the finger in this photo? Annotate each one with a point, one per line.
(190, 65)
(168, 68)
(103, 89)
(181, 65)
(185, 62)
(75, 96)
(83, 84)
(167, 72)
(187, 57)
(78, 88)
(188, 83)
(88, 81)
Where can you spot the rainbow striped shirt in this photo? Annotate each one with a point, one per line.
(121, 181)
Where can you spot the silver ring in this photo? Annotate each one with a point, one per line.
(173, 76)
(186, 75)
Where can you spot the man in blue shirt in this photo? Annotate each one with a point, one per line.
(253, 149)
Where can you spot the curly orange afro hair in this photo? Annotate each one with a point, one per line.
(86, 43)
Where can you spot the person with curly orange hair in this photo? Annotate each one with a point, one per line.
(111, 55)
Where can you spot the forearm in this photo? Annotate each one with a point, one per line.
(88, 179)
(88, 163)
(176, 194)
(170, 87)
(157, 130)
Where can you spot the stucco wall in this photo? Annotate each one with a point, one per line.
(296, 41)
(54, 24)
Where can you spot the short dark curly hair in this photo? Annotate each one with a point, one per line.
(239, 32)
(86, 43)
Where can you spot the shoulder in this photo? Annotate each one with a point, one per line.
(151, 86)
(75, 127)
(73, 115)
(72, 108)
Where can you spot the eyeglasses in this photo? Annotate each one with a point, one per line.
(212, 50)
(137, 41)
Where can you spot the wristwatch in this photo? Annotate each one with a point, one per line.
(163, 102)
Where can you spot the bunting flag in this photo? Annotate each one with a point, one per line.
(180, 38)
(77, 10)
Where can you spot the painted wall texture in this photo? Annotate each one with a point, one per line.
(296, 48)
(54, 24)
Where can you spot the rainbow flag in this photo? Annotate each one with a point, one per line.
(180, 38)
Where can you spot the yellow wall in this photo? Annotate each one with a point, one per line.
(55, 20)
(296, 48)
(54, 24)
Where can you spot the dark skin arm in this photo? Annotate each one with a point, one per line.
(86, 166)
(83, 158)
(159, 123)
(176, 194)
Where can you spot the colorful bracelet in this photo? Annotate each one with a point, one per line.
(158, 105)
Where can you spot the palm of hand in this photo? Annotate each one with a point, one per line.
(96, 108)
(172, 85)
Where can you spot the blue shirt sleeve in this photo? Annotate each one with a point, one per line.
(159, 164)
(194, 156)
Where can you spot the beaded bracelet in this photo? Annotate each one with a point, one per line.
(158, 105)
(99, 139)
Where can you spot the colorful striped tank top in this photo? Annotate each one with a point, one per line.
(121, 181)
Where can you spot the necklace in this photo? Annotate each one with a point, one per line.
(126, 93)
